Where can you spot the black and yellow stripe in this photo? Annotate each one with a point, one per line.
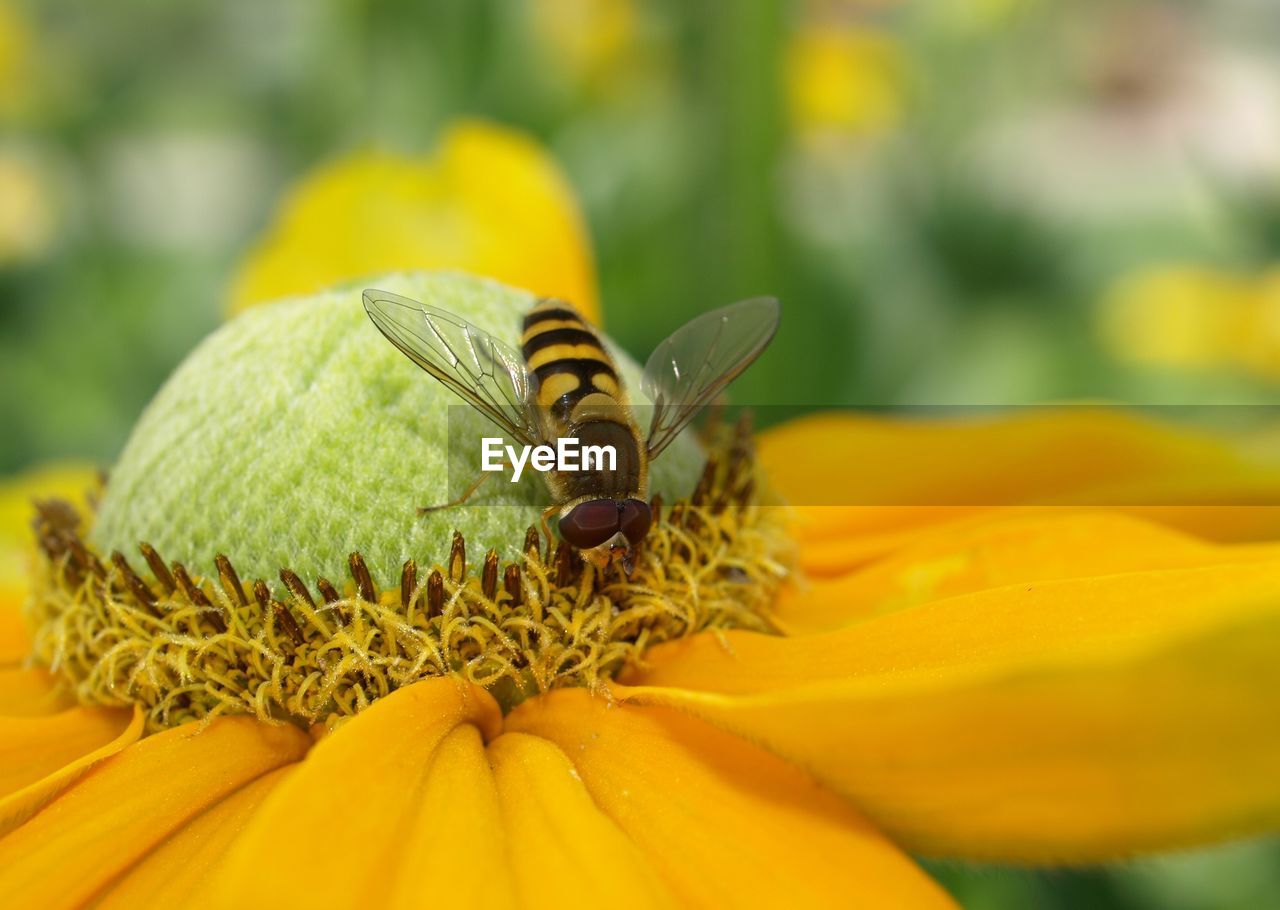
(579, 393)
(566, 358)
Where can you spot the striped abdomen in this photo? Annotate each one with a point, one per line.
(579, 393)
(566, 359)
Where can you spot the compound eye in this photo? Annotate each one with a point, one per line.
(590, 524)
(635, 520)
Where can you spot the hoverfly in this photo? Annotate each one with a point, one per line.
(564, 382)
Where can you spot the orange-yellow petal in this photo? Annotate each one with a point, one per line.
(724, 823)
(997, 550)
(1071, 720)
(470, 865)
(29, 692)
(15, 637)
(489, 201)
(125, 806)
(563, 847)
(53, 753)
(181, 870)
(863, 485)
(838, 539)
(32, 747)
(362, 786)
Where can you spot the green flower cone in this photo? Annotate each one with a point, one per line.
(272, 489)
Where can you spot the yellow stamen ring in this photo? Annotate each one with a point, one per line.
(189, 648)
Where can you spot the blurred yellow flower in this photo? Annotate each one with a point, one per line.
(844, 80)
(1260, 343)
(489, 201)
(27, 211)
(1195, 317)
(586, 37)
(1177, 315)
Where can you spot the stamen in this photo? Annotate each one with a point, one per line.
(328, 591)
(489, 581)
(281, 613)
(435, 595)
(157, 566)
(296, 587)
(511, 584)
(408, 584)
(532, 543)
(564, 563)
(230, 580)
(137, 587)
(195, 594)
(704, 482)
(186, 647)
(360, 575)
(457, 559)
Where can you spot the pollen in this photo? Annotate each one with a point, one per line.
(188, 646)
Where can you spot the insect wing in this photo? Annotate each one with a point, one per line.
(696, 362)
(483, 371)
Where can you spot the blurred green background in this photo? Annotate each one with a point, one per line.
(960, 201)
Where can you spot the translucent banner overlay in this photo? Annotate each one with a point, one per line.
(1078, 455)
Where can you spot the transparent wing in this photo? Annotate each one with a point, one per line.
(693, 365)
(486, 373)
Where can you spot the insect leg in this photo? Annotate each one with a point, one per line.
(466, 494)
(546, 527)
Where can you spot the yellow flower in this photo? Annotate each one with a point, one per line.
(1002, 683)
(1013, 673)
(1194, 317)
(844, 80)
(489, 202)
(27, 216)
(586, 37)
(1175, 315)
(1259, 343)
